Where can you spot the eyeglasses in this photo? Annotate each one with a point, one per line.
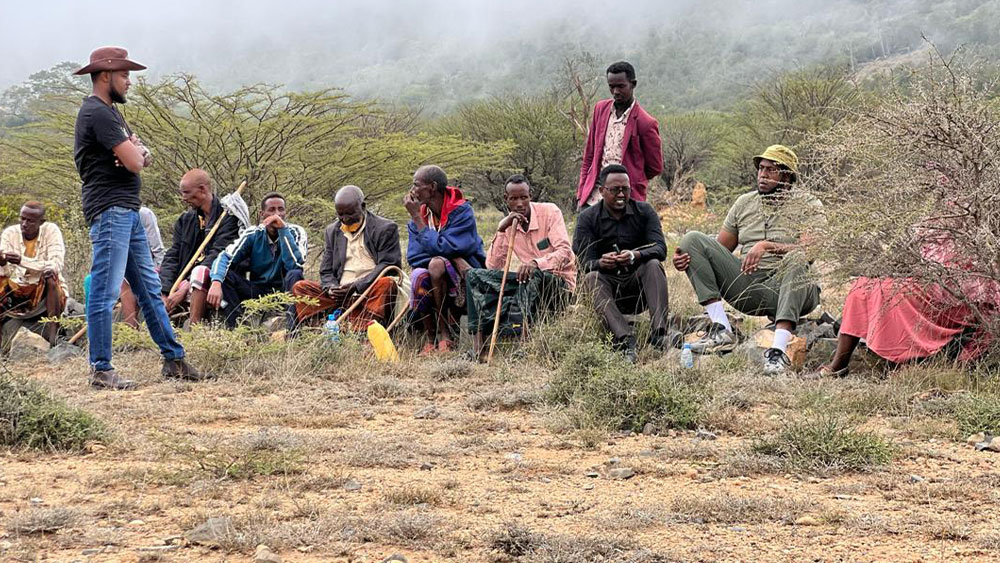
(617, 189)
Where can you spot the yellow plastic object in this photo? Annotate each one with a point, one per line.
(385, 350)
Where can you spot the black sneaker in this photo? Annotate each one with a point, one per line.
(109, 379)
(776, 362)
(671, 339)
(626, 347)
(717, 340)
(180, 369)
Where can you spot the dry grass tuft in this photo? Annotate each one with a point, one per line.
(734, 509)
(42, 520)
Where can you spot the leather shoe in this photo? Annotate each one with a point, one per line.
(109, 379)
(180, 369)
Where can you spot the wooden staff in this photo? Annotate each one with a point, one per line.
(199, 254)
(360, 298)
(503, 284)
(79, 334)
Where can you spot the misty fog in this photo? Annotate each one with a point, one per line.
(406, 50)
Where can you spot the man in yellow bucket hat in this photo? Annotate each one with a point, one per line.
(769, 275)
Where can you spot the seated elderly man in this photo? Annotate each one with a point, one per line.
(31, 258)
(265, 259)
(771, 276)
(621, 249)
(545, 271)
(357, 248)
(443, 245)
(190, 230)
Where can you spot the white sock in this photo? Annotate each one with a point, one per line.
(717, 313)
(781, 338)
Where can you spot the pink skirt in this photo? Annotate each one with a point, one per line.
(901, 320)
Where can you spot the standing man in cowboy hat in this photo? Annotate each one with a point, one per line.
(771, 275)
(109, 158)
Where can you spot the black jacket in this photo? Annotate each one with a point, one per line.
(381, 238)
(597, 233)
(188, 236)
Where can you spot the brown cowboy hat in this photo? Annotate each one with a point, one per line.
(109, 58)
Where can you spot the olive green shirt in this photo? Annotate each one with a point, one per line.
(782, 218)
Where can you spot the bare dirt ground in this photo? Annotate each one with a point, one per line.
(326, 455)
(357, 468)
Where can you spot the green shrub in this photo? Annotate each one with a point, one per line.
(31, 418)
(826, 444)
(263, 453)
(606, 391)
(978, 413)
(250, 352)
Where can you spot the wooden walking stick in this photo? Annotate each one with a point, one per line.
(199, 254)
(503, 284)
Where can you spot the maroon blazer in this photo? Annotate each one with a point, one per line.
(642, 154)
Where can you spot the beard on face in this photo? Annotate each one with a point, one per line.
(117, 97)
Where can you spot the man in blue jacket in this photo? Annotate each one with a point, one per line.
(270, 254)
(443, 245)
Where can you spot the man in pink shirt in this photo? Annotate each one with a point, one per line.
(543, 266)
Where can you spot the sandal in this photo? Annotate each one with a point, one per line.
(825, 372)
(428, 349)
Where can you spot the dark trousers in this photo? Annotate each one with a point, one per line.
(616, 295)
(237, 288)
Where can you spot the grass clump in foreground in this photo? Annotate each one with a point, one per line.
(264, 453)
(513, 541)
(826, 444)
(603, 390)
(31, 418)
(978, 413)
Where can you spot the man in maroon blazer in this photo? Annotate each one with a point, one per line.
(621, 132)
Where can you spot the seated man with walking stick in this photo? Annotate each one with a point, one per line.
(358, 247)
(621, 248)
(265, 259)
(190, 231)
(543, 277)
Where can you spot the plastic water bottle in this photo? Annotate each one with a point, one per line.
(332, 328)
(687, 356)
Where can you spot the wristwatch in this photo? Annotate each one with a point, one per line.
(631, 257)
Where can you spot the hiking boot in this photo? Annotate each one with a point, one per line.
(776, 362)
(717, 340)
(180, 369)
(109, 379)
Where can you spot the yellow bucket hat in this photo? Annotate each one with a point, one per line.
(781, 155)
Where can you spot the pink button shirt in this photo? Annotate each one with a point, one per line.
(546, 229)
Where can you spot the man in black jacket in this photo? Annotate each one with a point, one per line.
(189, 232)
(621, 249)
(357, 248)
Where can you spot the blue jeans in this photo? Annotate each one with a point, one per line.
(121, 251)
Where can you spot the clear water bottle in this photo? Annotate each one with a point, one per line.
(332, 327)
(687, 356)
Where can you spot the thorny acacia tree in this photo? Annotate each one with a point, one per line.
(915, 169)
(304, 144)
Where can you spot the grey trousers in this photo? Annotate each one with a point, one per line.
(632, 292)
(783, 294)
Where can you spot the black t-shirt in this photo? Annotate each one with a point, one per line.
(99, 128)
